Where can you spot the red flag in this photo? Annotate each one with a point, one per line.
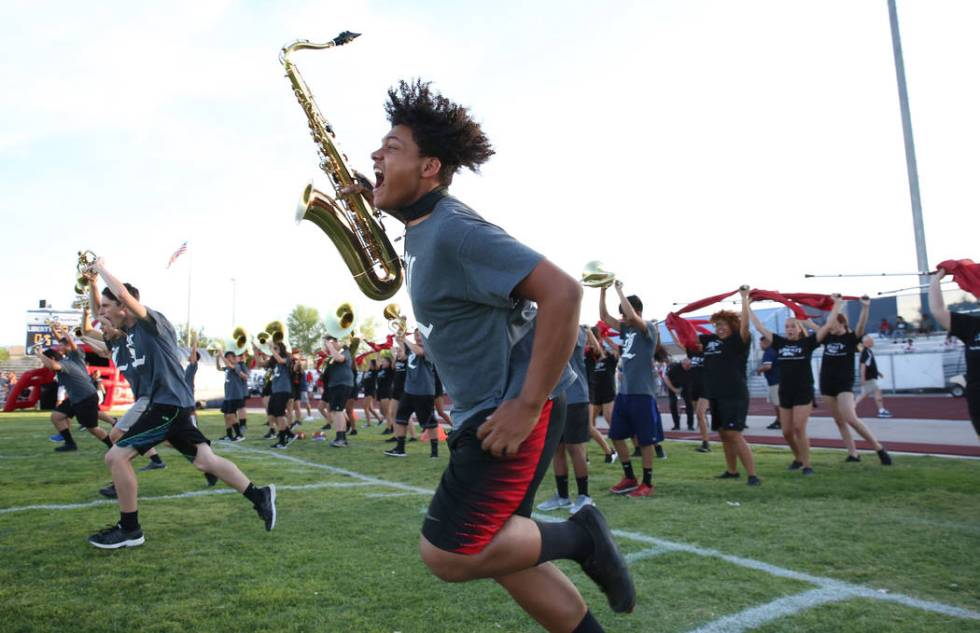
(965, 272)
(180, 251)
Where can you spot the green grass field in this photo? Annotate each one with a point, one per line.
(901, 542)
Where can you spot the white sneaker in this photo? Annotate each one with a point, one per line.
(555, 503)
(884, 413)
(580, 502)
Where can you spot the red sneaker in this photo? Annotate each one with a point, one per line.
(642, 491)
(625, 485)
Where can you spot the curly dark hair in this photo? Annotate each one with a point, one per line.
(442, 129)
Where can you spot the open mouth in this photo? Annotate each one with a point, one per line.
(379, 178)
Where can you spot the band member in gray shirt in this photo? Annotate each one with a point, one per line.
(339, 375)
(152, 344)
(472, 288)
(419, 397)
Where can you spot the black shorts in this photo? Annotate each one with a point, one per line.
(162, 422)
(728, 414)
(789, 398)
(267, 390)
(297, 392)
(421, 406)
(696, 389)
(86, 411)
(398, 390)
(602, 394)
(973, 406)
(835, 387)
(384, 391)
(478, 492)
(337, 397)
(370, 391)
(576, 424)
(440, 390)
(277, 404)
(232, 406)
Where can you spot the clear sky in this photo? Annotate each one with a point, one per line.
(691, 145)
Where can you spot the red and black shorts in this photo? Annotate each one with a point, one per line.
(421, 406)
(479, 493)
(164, 422)
(87, 410)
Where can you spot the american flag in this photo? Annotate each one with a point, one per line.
(180, 251)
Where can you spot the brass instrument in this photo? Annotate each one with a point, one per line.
(215, 348)
(276, 331)
(85, 261)
(348, 220)
(240, 337)
(262, 342)
(397, 322)
(340, 325)
(595, 275)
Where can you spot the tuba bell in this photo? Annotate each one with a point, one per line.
(263, 342)
(353, 226)
(340, 324)
(240, 337)
(595, 275)
(276, 331)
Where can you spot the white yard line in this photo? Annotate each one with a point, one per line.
(780, 608)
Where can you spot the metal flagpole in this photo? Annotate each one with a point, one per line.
(190, 261)
(913, 172)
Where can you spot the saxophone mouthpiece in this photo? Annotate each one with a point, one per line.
(345, 37)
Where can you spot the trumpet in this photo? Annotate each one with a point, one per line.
(85, 261)
(595, 275)
(397, 322)
(341, 324)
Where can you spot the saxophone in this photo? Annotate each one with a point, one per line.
(347, 219)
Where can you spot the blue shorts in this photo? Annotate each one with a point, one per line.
(636, 415)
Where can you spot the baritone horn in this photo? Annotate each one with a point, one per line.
(595, 275)
(240, 337)
(397, 322)
(340, 324)
(277, 331)
(85, 261)
(262, 342)
(348, 220)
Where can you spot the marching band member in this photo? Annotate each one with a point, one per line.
(418, 399)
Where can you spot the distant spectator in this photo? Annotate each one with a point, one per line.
(869, 378)
(926, 326)
(901, 328)
(884, 328)
(769, 367)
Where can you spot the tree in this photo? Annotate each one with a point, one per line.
(305, 328)
(202, 339)
(368, 329)
(4, 353)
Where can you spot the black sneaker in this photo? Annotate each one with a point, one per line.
(690, 428)
(211, 479)
(807, 472)
(661, 453)
(610, 458)
(339, 444)
(886, 459)
(279, 445)
(268, 436)
(239, 438)
(109, 491)
(775, 425)
(433, 456)
(326, 427)
(754, 481)
(387, 432)
(153, 466)
(114, 537)
(243, 426)
(392, 439)
(853, 458)
(675, 428)
(704, 448)
(353, 431)
(266, 508)
(606, 566)
(728, 475)
(394, 452)
(794, 465)
(66, 448)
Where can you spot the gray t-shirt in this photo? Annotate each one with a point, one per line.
(233, 384)
(420, 379)
(341, 373)
(244, 380)
(281, 382)
(124, 363)
(636, 360)
(152, 346)
(189, 373)
(460, 273)
(74, 377)
(578, 391)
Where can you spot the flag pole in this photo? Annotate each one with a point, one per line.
(190, 261)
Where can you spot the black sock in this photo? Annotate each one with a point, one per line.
(230, 431)
(107, 441)
(564, 540)
(237, 428)
(129, 521)
(561, 482)
(589, 625)
(66, 434)
(282, 437)
(583, 485)
(156, 459)
(253, 494)
(434, 444)
(628, 470)
(648, 476)
(400, 444)
(242, 422)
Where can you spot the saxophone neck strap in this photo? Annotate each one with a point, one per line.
(423, 206)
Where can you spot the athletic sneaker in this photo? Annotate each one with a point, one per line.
(339, 444)
(114, 537)
(239, 438)
(387, 432)
(794, 465)
(690, 428)
(606, 566)
(775, 425)
(266, 508)
(326, 427)
(268, 436)
(109, 491)
(661, 453)
(394, 452)
(279, 445)
(675, 428)
(580, 502)
(704, 448)
(886, 459)
(611, 458)
(728, 475)
(211, 479)
(225, 438)
(65, 448)
(853, 458)
(807, 472)
(625, 485)
(392, 439)
(884, 413)
(153, 466)
(754, 481)
(643, 490)
(57, 437)
(353, 430)
(554, 503)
